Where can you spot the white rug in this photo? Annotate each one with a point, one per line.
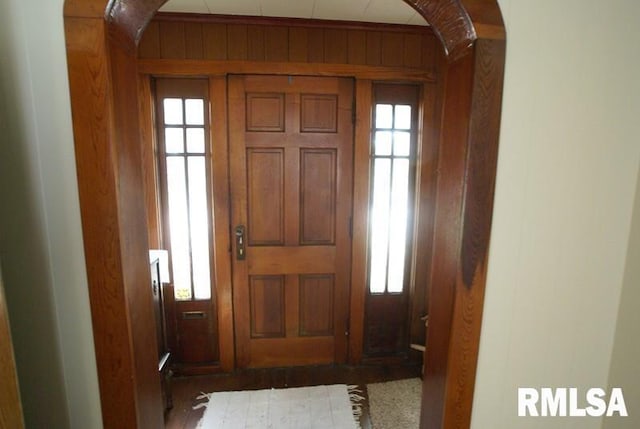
(317, 407)
(395, 404)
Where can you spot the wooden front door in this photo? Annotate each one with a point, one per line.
(290, 145)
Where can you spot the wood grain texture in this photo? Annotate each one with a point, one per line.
(88, 79)
(180, 68)
(447, 234)
(451, 23)
(129, 17)
(292, 187)
(357, 47)
(255, 43)
(315, 45)
(85, 8)
(149, 164)
(267, 306)
(88, 61)
(197, 340)
(318, 113)
(276, 43)
(149, 46)
(318, 176)
(386, 326)
(298, 45)
(10, 404)
(194, 41)
(478, 206)
(316, 305)
(374, 48)
(134, 244)
(483, 156)
(431, 51)
(265, 196)
(335, 42)
(221, 220)
(360, 221)
(484, 12)
(175, 36)
(172, 40)
(113, 215)
(392, 50)
(265, 112)
(214, 41)
(426, 195)
(237, 37)
(412, 50)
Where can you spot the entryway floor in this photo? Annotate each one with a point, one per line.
(187, 389)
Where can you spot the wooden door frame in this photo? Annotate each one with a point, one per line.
(101, 38)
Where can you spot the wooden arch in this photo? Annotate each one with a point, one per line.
(101, 37)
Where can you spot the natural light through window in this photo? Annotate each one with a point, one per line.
(184, 149)
(390, 197)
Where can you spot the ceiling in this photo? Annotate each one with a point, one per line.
(382, 11)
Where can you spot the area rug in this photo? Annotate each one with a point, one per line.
(318, 407)
(395, 404)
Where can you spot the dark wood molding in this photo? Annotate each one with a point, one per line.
(132, 16)
(178, 68)
(289, 22)
(464, 204)
(459, 23)
(88, 80)
(102, 79)
(447, 232)
(132, 230)
(229, 42)
(451, 23)
(482, 156)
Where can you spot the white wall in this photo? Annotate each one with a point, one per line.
(569, 158)
(40, 234)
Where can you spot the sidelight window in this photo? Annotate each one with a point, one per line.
(183, 148)
(392, 158)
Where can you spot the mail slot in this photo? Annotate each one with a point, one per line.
(192, 315)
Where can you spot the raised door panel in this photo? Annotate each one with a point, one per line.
(316, 305)
(317, 196)
(267, 306)
(265, 189)
(265, 112)
(318, 113)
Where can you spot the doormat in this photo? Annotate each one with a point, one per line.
(395, 404)
(318, 407)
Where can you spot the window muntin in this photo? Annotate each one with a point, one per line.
(185, 153)
(390, 210)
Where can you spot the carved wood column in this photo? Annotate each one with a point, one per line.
(473, 37)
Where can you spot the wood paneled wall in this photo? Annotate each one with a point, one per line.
(176, 37)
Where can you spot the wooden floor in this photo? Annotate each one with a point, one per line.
(187, 389)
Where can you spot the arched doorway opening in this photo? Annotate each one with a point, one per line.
(101, 45)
